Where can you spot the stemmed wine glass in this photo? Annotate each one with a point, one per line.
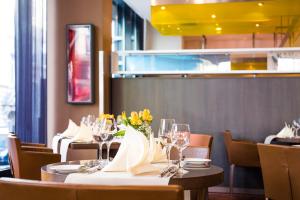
(96, 129)
(181, 140)
(107, 131)
(164, 133)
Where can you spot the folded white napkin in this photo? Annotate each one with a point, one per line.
(71, 131)
(286, 132)
(56, 139)
(84, 134)
(134, 155)
(156, 153)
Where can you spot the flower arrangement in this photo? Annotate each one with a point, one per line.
(140, 121)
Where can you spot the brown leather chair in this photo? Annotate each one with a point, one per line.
(293, 160)
(200, 147)
(202, 140)
(34, 190)
(274, 164)
(27, 164)
(240, 153)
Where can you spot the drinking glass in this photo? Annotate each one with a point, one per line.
(96, 129)
(164, 133)
(90, 120)
(108, 129)
(180, 139)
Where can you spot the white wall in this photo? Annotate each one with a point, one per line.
(156, 41)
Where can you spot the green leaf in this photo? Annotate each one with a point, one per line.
(120, 133)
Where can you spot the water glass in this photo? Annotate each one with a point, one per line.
(164, 133)
(180, 139)
(108, 129)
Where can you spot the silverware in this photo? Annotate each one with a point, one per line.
(168, 171)
(172, 171)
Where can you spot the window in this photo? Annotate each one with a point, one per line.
(127, 29)
(22, 72)
(7, 75)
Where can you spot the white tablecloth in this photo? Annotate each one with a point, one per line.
(119, 178)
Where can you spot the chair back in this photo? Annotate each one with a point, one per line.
(26, 163)
(293, 159)
(11, 189)
(228, 141)
(273, 160)
(14, 153)
(202, 140)
(241, 153)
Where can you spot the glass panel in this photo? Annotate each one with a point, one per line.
(7, 75)
(169, 62)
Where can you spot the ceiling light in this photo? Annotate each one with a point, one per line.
(213, 16)
(163, 7)
(260, 4)
(257, 25)
(218, 29)
(178, 28)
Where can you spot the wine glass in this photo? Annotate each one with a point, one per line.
(164, 133)
(96, 129)
(180, 139)
(108, 129)
(90, 120)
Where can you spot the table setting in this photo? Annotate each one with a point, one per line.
(140, 153)
(287, 135)
(141, 158)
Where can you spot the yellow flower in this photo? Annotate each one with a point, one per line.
(146, 115)
(124, 117)
(106, 116)
(135, 120)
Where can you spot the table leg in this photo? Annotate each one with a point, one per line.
(201, 194)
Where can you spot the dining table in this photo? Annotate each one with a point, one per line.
(196, 180)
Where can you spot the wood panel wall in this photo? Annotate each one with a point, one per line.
(60, 13)
(252, 108)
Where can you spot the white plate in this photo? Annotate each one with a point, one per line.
(67, 168)
(196, 160)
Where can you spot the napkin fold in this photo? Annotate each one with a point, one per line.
(156, 152)
(286, 132)
(71, 131)
(135, 154)
(84, 134)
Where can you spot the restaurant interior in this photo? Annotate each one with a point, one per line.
(147, 99)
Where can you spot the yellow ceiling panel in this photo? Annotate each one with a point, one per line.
(226, 18)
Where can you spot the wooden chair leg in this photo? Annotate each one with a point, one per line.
(231, 178)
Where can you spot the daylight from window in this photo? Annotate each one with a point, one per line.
(7, 74)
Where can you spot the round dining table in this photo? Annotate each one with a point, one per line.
(196, 180)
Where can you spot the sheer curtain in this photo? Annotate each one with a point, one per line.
(30, 57)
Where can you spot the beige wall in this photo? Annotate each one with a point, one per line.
(156, 41)
(60, 13)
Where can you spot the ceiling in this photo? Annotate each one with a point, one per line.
(238, 17)
(141, 7)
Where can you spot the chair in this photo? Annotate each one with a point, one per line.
(11, 189)
(27, 164)
(274, 164)
(202, 140)
(293, 160)
(240, 153)
(200, 147)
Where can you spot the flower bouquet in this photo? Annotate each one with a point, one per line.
(140, 121)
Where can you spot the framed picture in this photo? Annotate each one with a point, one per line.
(80, 63)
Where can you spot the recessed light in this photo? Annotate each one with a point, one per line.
(163, 7)
(257, 25)
(213, 16)
(218, 29)
(260, 4)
